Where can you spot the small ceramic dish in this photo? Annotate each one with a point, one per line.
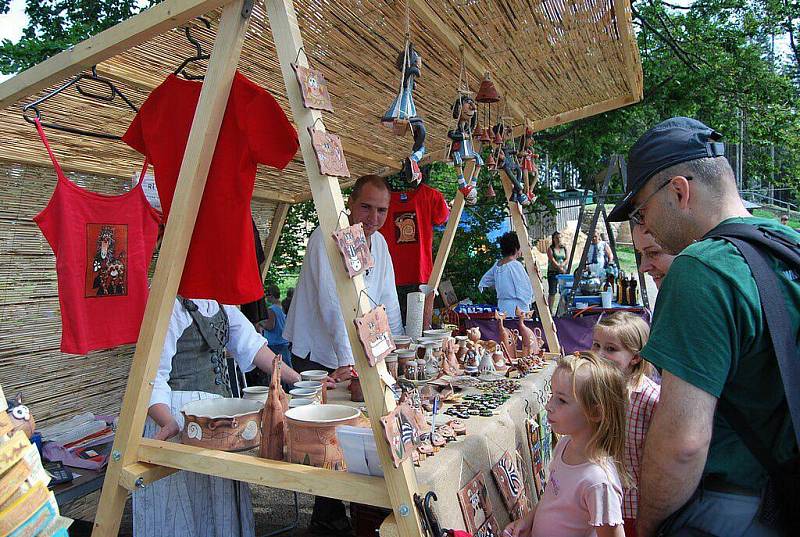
(314, 374)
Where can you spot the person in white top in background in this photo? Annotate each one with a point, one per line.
(315, 324)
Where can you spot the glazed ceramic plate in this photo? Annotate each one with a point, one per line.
(221, 408)
(322, 413)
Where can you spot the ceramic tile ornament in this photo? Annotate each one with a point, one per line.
(314, 88)
(375, 334)
(475, 504)
(535, 445)
(400, 431)
(521, 508)
(509, 479)
(355, 252)
(490, 529)
(330, 155)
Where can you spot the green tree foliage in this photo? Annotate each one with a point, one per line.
(55, 25)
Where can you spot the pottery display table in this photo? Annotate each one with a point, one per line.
(487, 439)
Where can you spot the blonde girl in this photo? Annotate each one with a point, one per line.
(583, 497)
(620, 337)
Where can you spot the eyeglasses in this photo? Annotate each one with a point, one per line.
(636, 215)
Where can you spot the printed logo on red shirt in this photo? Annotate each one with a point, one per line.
(405, 228)
(106, 256)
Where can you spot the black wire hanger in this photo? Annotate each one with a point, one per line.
(199, 54)
(112, 93)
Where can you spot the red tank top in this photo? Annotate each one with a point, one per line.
(103, 246)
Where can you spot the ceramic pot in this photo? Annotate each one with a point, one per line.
(404, 357)
(222, 423)
(256, 393)
(402, 342)
(314, 375)
(312, 434)
(391, 364)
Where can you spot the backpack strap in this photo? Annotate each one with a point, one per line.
(744, 237)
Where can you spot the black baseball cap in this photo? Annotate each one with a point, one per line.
(675, 140)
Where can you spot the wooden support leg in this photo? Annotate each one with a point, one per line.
(400, 482)
(271, 242)
(533, 269)
(186, 202)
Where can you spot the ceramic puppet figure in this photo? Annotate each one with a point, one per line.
(461, 149)
(530, 172)
(403, 113)
(507, 161)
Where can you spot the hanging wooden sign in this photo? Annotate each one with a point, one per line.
(400, 431)
(509, 480)
(374, 334)
(330, 155)
(475, 503)
(314, 88)
(353, 244)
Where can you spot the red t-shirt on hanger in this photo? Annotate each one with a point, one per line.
(408, 231)
(221, 262)
(103, 246)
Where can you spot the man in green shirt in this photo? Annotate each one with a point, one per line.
(710, 338)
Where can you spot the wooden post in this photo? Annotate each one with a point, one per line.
(400, 482)
(186, 202)
(518, 220)
(271, 242)
(449, 233)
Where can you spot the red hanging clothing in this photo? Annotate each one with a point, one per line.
(221, 262)
(103, 246)
(408, 231)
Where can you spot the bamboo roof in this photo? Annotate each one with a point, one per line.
(553, 61)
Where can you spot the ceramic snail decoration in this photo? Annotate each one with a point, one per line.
(20, 416)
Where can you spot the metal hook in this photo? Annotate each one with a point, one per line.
(303, 50)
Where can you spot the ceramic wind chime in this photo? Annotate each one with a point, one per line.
(402, 114)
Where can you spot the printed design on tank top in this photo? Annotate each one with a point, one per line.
(106, 260)
(405, 227)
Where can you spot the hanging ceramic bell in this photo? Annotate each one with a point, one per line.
(486, 138)
(490, 193)
(490, 162)
(487, 93)
(498, 138)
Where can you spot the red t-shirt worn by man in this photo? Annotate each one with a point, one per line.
(221, 262)
(408, 231)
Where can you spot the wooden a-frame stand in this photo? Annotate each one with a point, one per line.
(135, 462)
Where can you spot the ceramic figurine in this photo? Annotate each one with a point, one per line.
(273, 424)
(508, 341)
(529, 167)
(486, 364)
(474, 334)
(529, 343)
(403, 113)
(507, 161)
(461, 150)
(20, 416)
(462, 348)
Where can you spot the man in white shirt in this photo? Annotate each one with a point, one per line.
(315, 324)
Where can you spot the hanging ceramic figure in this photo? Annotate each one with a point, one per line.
(530, 173)
(465, 112)
(403, 113)
(507, 161)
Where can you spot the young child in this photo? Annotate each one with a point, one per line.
(619, 337)
(583, 497)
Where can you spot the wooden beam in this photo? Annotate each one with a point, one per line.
(138, 475)
(120, 37)
(272, 195)
(359, 488)
(401, 482)
(580, 113)
(633, 68)
(449, 233)
(169, 268)
(271, 242)
(518, 219)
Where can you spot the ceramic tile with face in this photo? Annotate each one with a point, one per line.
(352, 243)
(314, 88)
(400, 431)
(475, 504)
(490, 529)
(330, 155)
(374, 334)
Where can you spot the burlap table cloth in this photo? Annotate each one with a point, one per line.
(487, 439)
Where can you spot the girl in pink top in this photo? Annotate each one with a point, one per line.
(620, 337)
(583, 497)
